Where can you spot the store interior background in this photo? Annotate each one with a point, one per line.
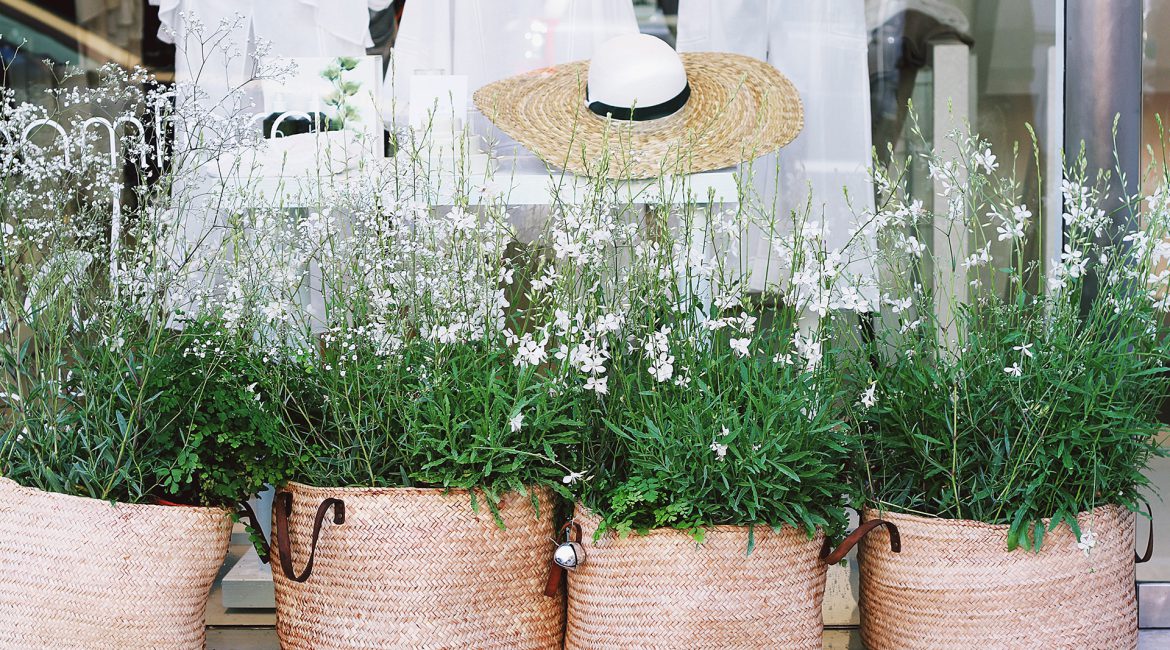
(1009, 66)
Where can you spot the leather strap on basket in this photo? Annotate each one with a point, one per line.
(832, 557)
(246, 514)
(556, 572)
(1145, 557)
(284, 502)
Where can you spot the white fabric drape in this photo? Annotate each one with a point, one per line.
(822, 47)
(488, 40)
(209, 72)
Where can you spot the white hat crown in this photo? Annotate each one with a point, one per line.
(638, 72)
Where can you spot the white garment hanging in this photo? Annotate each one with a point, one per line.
(822, 47)
(317, 27)
(294, 28)
(877, 12)
(488, 40)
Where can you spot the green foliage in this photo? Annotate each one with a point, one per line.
(747, 441)
(456, 415)
(214, 419)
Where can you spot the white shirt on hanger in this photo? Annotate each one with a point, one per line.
(488, 40)
(822, 47)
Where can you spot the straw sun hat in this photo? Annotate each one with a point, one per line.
(653, 110)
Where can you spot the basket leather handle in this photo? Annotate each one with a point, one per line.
(830, 556)
(556, 572)
(1145, 557)
(246, 514)
(284, 502)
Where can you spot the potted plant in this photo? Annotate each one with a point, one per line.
(98, 417)
(109, 407)
(420, 510)
(1006, 435)
(712, 481)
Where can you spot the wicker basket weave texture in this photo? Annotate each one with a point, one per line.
(418, 568)
(955, 586)
(87, 574)
(662, 590)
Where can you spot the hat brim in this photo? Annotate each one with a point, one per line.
(739, 108)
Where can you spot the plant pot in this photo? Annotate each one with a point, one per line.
(84, 573)
(411, 567)
(664, 590)
(955, 585)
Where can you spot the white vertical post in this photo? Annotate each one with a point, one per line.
(1052, 241)
(953, 106)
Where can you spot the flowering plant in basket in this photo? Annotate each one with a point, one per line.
(709, 403)
(100, 395)
(396, 372)
(1035, 398)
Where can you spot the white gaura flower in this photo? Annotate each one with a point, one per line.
(545, 281)
(608, 323)
(662, 369)
(1010, 230)
(986, 160)
(599, 385)
(1025, 349)
(899, 305)
(1073, 262)
(572, 477)
(719, 448)
(1087, 541)
(740, 346)
(747, 324)
(516, 422)
(869, 397)
(529, 352)
(1014, 370)
(444, 334)
(982, 257)
(714, 324)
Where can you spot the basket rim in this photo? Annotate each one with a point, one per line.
(374, 491)
(152, 507)
(869, 513)
(723, 528)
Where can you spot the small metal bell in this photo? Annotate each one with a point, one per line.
(570, 554)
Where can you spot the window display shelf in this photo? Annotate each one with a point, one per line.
(521, 180)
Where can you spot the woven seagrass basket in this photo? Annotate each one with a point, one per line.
(411, 568)
(94, 575)
(956, 586)
(663, 590)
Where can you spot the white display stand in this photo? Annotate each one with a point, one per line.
(520, 180)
